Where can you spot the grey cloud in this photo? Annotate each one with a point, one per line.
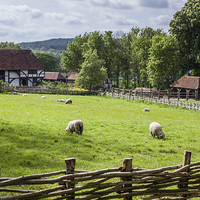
(4, 33)
(36, 14)
(154, 3)
(112, 4)
(125, 22)
(7, 21)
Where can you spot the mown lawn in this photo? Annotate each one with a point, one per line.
(33, 137)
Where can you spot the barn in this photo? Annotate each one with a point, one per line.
(71, 77)
(54, 77)
(20, 67)
(188, 85)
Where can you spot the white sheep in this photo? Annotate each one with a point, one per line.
(25, 95)
(75, 126)
(43, 97)
(146, 110)
(61, 100)
(68, 101)
(156, 130)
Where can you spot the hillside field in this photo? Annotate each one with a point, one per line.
(34, 140)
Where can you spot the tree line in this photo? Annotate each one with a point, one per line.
(143, 57)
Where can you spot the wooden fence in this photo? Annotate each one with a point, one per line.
(166, 94)
(40, 90)
(150, 96)
(171, 182)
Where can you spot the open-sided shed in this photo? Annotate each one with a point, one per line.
(190, 85)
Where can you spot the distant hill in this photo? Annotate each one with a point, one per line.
(52, 46)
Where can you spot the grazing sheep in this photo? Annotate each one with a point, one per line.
(43, 97)
(75, 126)
(68, 101)
(14, 93)
(156, 130)
(61, 100)
(146, 110)
(25, 95)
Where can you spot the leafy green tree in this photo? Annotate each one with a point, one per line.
(72, 59)
(9, 45)
(48, 61)
(185, 27)
(93, 73)
(165, 65)
(141, 42)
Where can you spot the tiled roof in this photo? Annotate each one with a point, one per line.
(72, 76)
(187, 82)
(14, 59)
(54, 76)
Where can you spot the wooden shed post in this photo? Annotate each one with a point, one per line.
(159, 94)
(127, 166)
(168, 94)
(186, 161)
(178, 94)
(196, 95)
(187, 95)
(70, 167)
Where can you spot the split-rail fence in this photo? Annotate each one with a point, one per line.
(125, 182)
(163, 97)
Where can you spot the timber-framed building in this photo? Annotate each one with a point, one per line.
(190, 85)
(20, 67)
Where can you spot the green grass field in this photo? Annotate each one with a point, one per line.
(33, 137)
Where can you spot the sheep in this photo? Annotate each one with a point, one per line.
(61, 100)
(25, 95)
(14, 93)
(68, 101)
(75, 126)
(156, 130)
(43, 97)
(146, 110)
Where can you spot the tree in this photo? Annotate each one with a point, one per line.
(72, 59)
(9, 45)
(165, 65)
(185, 27)
(141, 42)
(92, 74)
(48, 61)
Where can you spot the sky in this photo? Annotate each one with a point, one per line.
(39, 20)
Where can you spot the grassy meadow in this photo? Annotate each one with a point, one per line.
(34, 140)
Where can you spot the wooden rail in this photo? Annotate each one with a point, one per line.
(148, 96)
(170, 182)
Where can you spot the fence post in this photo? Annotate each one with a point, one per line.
(70, 167)
(186, 161)
(168, 94)
(130, 93)
(112, 91)
(118, 91)
(159, 94)
(127, 166)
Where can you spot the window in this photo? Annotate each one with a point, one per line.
(32, 71)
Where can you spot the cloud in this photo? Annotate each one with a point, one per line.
(4, 33)
(160, 20)
(115, 4)
(154, 3)
(7, 20)
(124, 21)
